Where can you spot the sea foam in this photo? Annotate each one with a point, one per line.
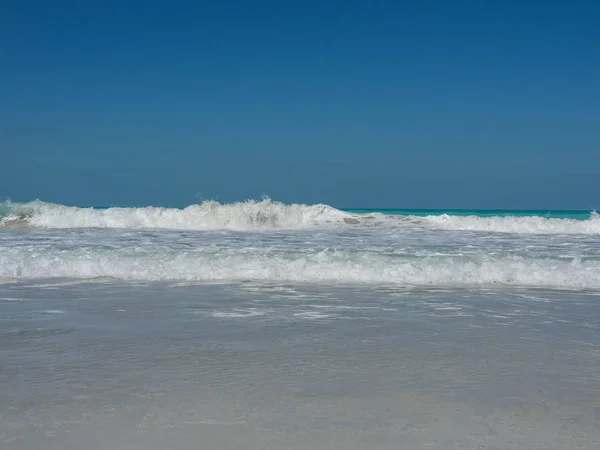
(251, 214)
(513, 224)
(317, 267)
(269, 214)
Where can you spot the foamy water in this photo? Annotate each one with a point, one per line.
(515, 225)
(264, 325)
(268, 214)
(270, 241)
(210, 215)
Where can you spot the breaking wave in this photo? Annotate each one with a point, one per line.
(207, 215)
(317, 267)
(269, 214)
(513, 224)
(364, 248)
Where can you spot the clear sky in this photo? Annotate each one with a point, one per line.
(433, 104)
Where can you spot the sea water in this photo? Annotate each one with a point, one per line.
(264, 325)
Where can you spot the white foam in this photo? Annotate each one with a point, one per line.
(318, 267)
(311, 315)
(238, 313)
(251, 214)
(512, 224)
(269, 214)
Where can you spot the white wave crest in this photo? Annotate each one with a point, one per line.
(318, 267)
(269, 214)
(512, 224)
(207, 215)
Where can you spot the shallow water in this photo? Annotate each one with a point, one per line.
(264, 325)
(114, 365)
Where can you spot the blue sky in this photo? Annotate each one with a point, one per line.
(463, 104)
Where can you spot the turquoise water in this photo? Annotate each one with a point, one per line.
(6, 207)
(555, 214)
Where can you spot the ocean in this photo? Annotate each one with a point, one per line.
(264, 325)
